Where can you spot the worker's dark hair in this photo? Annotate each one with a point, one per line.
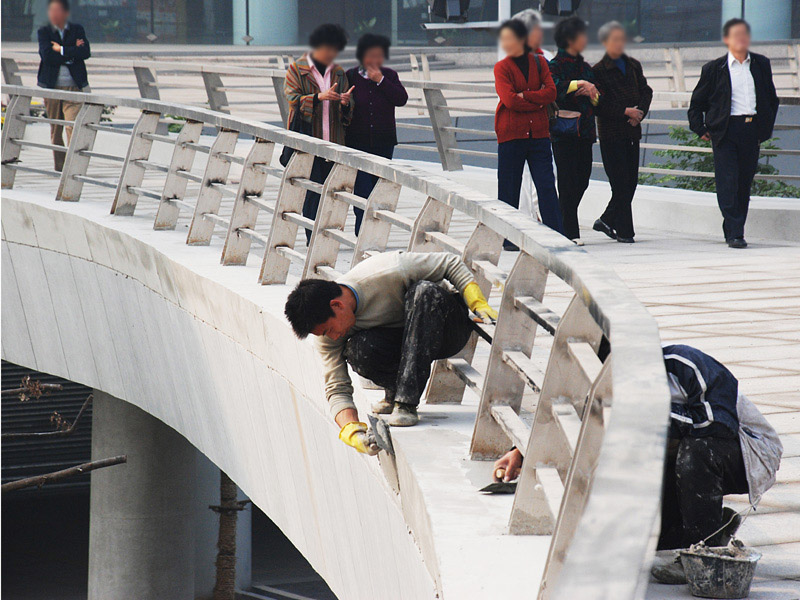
(372, 40)
(309, 304)
(518, 28)
(328, 34)
(567, 30)
(64, 3)
(730, 23)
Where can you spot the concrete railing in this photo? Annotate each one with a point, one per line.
(441, 102)
(594, 455)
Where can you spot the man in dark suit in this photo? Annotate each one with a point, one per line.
(734, 105)
(63, 48)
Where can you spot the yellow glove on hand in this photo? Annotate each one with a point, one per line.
(354, 434)
(477, 303)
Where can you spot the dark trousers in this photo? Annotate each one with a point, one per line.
(621, 162)
(511, 158)
(574, 165)
(399, 358)
(319, 172)
(698, 472)
(735, 164)
(365, 182)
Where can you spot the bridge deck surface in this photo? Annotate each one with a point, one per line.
(743, 307)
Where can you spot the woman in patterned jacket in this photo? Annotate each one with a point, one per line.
(318, 88)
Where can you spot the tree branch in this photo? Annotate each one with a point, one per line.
(55, 433)
(33, 389)
(41, 480)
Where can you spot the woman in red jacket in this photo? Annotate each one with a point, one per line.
(523, 83)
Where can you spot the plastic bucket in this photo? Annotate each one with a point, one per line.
(725, 572)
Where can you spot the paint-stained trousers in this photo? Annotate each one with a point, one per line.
(399, 358)
(698, 472)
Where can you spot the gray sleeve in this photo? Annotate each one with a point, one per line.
(436, 266)
(338, 386)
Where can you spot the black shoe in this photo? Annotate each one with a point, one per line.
(600, 226)
(737, 243)
(624, 240)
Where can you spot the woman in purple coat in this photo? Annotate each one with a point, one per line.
(377, 92)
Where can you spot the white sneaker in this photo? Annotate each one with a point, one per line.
(577, 241)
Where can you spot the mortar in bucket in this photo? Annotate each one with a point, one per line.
(720, 572)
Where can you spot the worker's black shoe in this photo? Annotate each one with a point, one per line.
(600, 226)
(403, 415)
(625, 240)
(737, 243)
(667, 568)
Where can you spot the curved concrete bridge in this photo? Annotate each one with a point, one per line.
(102, 297)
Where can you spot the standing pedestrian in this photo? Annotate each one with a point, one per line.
(528, 200)
(318, 88)
(626, 100)
(63, 48)
(734, 105)
(573, 137)
(377, 92)
(525, 88)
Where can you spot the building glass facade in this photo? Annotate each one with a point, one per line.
(288, 22)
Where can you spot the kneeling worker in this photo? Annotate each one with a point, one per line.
(390, 317)
(719, 443)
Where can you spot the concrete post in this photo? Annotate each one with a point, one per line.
(147, 80)
(440, 120)
(141, 529)
(11, 74)
(151, 533)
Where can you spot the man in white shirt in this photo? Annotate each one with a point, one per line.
(734, 106)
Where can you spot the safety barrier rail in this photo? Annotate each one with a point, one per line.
(593, 456)
(261, 90)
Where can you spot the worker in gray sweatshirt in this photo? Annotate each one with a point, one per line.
(390, 317)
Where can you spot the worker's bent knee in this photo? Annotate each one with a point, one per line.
(425, 292)
(695, 458)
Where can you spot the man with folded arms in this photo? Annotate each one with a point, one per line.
(63, 48)
(390, 317)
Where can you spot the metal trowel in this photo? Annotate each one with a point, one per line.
(500, 487)
(379, 431)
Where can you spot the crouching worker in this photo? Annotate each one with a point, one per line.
(390, 317)
(719, 443)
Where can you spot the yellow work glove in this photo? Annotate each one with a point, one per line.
(354, 434)
(477, 303)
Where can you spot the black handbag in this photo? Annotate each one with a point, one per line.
(298, 125)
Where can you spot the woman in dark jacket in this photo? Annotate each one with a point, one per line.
(576, 92)
(523, 83)
(626, 100)
(377, 92)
